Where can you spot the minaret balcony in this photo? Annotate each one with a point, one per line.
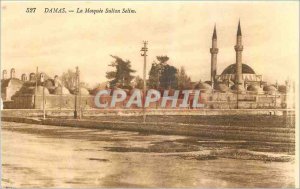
(238, 48)
(214, 50)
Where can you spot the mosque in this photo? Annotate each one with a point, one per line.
(238, 77)
(238, 86)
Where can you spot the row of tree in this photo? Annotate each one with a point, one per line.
(162, 75)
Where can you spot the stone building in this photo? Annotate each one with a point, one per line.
(238, 76)
(238, 86)
(30, 93)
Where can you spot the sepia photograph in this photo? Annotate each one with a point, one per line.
(149, 94)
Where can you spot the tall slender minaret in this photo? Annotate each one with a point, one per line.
(214, 51)
(239, 49)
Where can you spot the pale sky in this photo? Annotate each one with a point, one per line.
(180, 30)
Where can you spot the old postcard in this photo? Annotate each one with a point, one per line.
(156, 94)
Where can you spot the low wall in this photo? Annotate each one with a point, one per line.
(209, 101)
(244, 133)
(133, 112)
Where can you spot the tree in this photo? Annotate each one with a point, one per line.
(154, 75)
(183, 80)
(69, 80)
(168, 77)
(121, 76)
(139, 83)
(162, 75)
(162, 59)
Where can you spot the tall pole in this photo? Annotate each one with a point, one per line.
(61, 98)
(75, 92)
(275, 98)
(42, 81)
(44, 110)
(79, 93)
(35, 92)
(36, 75)
(144, 54)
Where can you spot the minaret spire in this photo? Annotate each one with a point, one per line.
(214, 51)
(239, 31)
(215, 33)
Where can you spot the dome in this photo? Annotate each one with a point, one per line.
(208, 82)
(231, 69)
(59, 91)
(282, 88)
(253, 88)
(270, 88)
(83, 91)
(239, 88)
(222, 87)
(11, 82)
(49, 83)
(204, 86)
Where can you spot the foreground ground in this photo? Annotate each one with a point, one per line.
(50, 156)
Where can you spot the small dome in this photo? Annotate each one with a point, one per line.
(204, 86)
(282, 88)
(49, 83)
(239, 88)
(269, 88)
(59, 91)
(253, 88)
(222, 87)
(208, 82)
(11, 82)
(231, 69)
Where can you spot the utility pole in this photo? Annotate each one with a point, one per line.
(44, 109)
(42, 82)
(61, 97)
(35, 92)
(79, 92)
(144, 54)
(36, 75)
(75, 92)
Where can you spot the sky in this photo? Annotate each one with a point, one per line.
(180, 30)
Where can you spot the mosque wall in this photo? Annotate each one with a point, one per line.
(210, 100)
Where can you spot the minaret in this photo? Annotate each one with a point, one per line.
(239, 49)
(213, 51)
